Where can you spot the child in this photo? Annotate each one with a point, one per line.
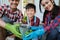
(10, 14)
(32, 20)
(30, 11)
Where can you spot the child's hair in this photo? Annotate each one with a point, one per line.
(30, 5)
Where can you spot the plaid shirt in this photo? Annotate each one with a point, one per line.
(14, 16)
(32, 21)
(51, 23)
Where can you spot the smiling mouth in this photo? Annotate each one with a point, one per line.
(47, 8)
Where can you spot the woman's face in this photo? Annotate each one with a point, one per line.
(47, 4)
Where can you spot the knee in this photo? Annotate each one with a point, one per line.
(53, 35)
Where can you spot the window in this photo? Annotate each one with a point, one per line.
(4, 2)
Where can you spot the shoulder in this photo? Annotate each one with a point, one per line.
(4, 6)
(19, 12)
(57, 18)
(37, 19)
(58, 9)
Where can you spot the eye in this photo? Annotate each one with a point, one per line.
(16, 0)
(46, 2)
(12, 0)
(43, 5)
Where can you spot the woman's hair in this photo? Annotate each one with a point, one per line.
(54, 11)
(40, 5)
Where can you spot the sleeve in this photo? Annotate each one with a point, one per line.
(1, 10)
(54, 23)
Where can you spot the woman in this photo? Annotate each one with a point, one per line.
(51, 19)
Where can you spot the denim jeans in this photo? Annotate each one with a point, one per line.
(52, 35)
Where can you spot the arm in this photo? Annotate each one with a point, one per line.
(10, 27)
(54, 23)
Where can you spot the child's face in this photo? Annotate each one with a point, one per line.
(30, 12)
(14, 3)
(47, 4)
